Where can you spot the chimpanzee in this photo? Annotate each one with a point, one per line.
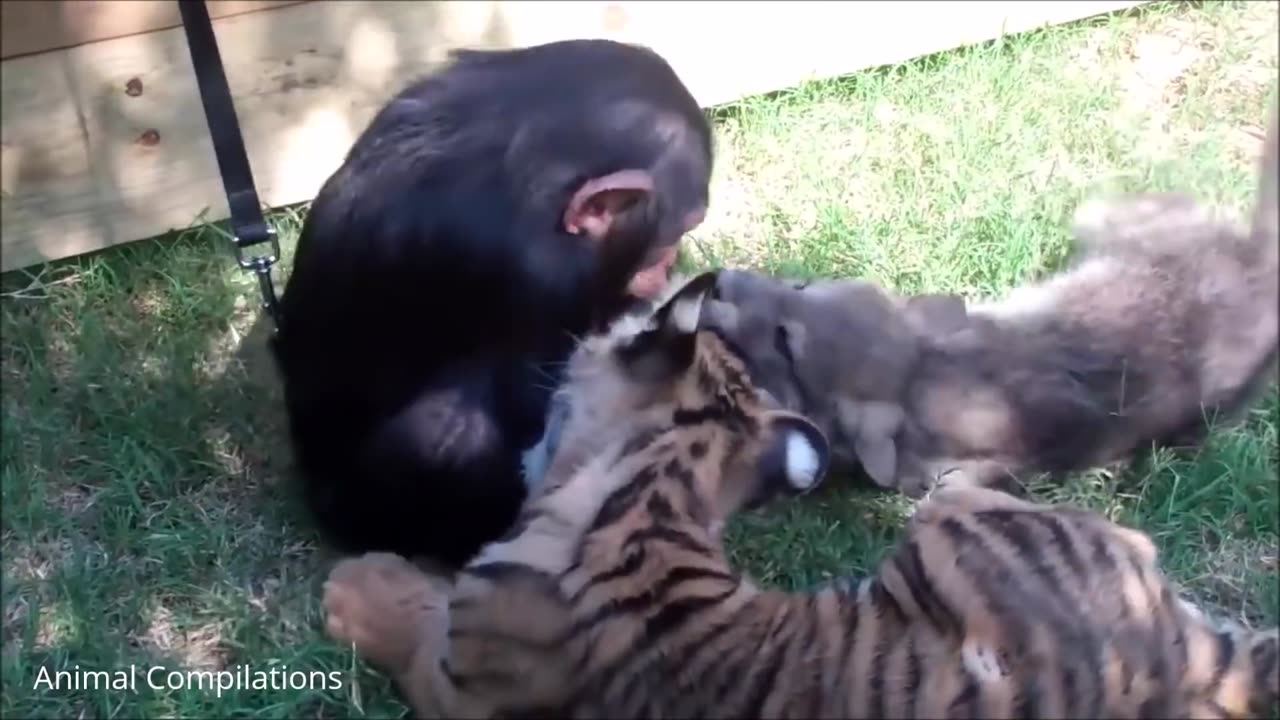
(490, 214)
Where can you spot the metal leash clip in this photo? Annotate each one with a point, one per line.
(261, 264)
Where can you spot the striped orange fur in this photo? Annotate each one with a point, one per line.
(613, 596)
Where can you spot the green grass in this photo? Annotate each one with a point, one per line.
(145, 520)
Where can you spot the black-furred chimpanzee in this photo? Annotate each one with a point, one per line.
(488, 215)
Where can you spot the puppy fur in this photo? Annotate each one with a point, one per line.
(1164, 323)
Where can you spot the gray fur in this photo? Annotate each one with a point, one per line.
(1166, 321)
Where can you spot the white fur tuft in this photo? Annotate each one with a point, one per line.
(982, 662)
(803, 461)
(629, 325)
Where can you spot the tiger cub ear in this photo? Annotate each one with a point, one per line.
(797, 455)
(665, 347)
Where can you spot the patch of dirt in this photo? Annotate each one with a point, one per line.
(1158, 65)
(62, 358)
(199, 648)
(30, 566)
(33, 562)
(223, 353)
(75, 499)
(1228, 585)
(1236, 52)
(225, 451)
(148, 304)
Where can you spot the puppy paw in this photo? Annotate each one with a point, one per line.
(384, 605)
(916, 486)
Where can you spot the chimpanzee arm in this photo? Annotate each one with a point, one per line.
(441, 474)
(451, 425)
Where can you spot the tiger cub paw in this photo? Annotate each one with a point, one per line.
(384, 606)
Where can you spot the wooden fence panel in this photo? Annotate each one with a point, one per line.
(106, 142)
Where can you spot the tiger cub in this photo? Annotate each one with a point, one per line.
(613, 596)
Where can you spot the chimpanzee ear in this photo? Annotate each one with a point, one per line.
(667, 345)
(596, 205)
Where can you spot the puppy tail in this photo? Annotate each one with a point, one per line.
(1177, 225)
(1265, 229)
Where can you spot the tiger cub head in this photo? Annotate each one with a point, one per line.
(657, 390)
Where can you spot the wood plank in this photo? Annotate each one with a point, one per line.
(32, 26)
(86, 165)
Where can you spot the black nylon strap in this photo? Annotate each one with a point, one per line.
(247, 221)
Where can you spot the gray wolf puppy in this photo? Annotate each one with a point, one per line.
(1165, 321)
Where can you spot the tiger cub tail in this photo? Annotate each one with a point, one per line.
(1052, 597)
(1232, 671)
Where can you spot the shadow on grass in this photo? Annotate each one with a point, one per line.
(148, 514)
